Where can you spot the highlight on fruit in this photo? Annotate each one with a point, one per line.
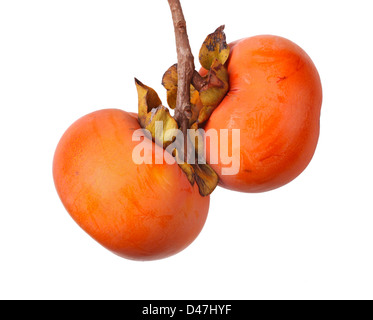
(248, 121)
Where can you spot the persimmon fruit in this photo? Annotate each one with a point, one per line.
(274, 100)
(265, 87)
(138, 211)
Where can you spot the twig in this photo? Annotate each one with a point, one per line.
(185, 71)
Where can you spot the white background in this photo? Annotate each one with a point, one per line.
(312, 239)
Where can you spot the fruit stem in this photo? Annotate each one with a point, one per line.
(185, 70)
(198, 81)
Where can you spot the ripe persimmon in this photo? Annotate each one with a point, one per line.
(138, 211)
(274, 99)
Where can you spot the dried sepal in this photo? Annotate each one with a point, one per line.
(196, 106)
(162, 126)
(214, 47)
(196, 137)
(206, 179)
(217, 85)
(169, 81)
(148, 99)
(213, 55)
(189, 172)
(186, 167)
(155, 117)
(200, 172)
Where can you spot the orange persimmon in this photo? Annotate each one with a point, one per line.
(138, 211)
(274, 100)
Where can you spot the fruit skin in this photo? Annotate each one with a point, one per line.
(140, 212)
(275, 100)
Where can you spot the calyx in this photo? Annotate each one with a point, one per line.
(210, 92)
